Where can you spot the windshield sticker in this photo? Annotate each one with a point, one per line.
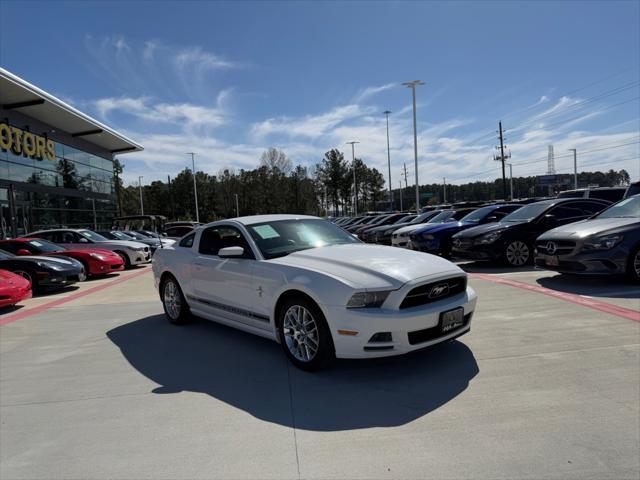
(266, 232)
(35, 243)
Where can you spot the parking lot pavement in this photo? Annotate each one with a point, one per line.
(103, 387)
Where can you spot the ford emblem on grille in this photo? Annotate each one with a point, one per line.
(439, 290)
(551, 248)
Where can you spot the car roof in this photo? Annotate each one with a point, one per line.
(253, 219)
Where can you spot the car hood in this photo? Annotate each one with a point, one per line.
(487, 228)
(121, 243)
(449, 227)
(412, 227)
(370, 266)
(585, 228)
(66, 262)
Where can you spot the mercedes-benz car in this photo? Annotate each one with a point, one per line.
(605, 244)
(511, 240)
(437, 238)
(43, 272)
(132, 253)
(317, 290)
(152, 242)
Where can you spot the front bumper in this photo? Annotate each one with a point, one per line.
(103, 267)
(602, 262)
(60, 278)
(16, 296)
(411, 328)
(490, 251)
(138, 258)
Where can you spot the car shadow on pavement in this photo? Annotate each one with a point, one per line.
(252, 374)
(49, 291)
(10, 309)
(493, 267)
(602, 287)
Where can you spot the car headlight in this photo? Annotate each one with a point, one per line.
(51, 266)
(137, 249)
(98, 256)
(489, 237)
(606, 242)
(368, 299)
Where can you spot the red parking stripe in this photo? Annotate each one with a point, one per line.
(61, 301)
(568, 297)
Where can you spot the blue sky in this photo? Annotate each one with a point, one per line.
(228, 80)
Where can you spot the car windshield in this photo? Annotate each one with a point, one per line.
(478, 215)
(527, 213)
(122, 236)
(406, 219)
(96, 237)
(442, 216)
(45, 247)
(627, 208)
(571, 194)
(4, 255)
(282, 237)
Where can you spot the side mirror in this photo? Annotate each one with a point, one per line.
(23, 251)
(83, 240)
(491, 219)
(231, 252)
(549, 221)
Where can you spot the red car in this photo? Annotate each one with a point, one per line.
(95, 261)
(13, 288)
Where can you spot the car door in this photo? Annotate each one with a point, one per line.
(223, 287)
(566, 212)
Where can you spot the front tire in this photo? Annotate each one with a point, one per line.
(304, 334)
(173, 302)
(517, 254)
(633, 266)
(28, 275)
(125, 259)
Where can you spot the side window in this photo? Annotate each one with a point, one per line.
(566, 212)
(215, 238)
(591, 208)
(187, 241)
(612, 195)
(48, 236)
(498, 214)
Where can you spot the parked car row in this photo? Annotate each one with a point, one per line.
(573, 233)
(51, 259)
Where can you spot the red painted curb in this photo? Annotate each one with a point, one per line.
(568, 297)
(74, 296)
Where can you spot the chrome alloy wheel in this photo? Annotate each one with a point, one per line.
(517, 253)
(171, 299)
(301, 333)
(636, 264)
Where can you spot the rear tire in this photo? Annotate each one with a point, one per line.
(304, 334)
(173, 302)
(633, 265)
(517, 254)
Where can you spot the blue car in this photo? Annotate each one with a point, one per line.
(436, 239)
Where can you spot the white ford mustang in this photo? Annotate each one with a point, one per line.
(315, 289)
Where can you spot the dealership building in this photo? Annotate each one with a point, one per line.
(56, 163)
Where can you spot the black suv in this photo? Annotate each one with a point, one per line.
(512, 239)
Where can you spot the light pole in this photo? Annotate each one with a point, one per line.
(237, 207)
(412, 86)
(386, 114)
(575, 167)
(510, 181)
(444, 190)
(353, 163)
(400, 195)
(195, 188)
(140, 187)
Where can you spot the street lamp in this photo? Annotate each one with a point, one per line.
(140, 187)
(575, 168)
(195, 188)
(353, 163)
(412, 86)
(386, 114)
(510, 181)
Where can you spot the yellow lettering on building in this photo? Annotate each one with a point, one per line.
(26, 143)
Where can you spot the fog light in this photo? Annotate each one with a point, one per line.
(381, 337)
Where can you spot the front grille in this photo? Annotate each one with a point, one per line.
(556, 247)
(428, 334)
(434, 292)
(462, 243)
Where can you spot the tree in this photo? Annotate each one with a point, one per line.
(331, 172)
(273, 158)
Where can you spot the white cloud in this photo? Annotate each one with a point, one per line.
(368, 92)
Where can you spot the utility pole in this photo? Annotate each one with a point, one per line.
(504, 179)
(237, 207)
(405, 176)
(412, 86)
(173, 213)
(140, 187)
(444, 189)
(575, 167)
(400, 195)
(355, 190)
(195, 188)
(386, 113)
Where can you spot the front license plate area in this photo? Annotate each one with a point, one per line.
(551, 260)
(451, 319)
